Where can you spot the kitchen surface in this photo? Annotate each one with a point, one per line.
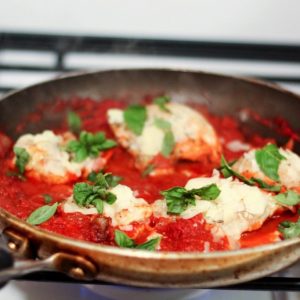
(40, 41)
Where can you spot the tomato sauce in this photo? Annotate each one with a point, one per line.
(21, 197)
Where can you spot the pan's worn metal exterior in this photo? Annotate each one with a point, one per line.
(223, 95)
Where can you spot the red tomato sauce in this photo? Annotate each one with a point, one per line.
(22, 197)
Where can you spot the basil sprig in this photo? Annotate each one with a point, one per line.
(135, 117)
(227, 171)
(268, 160)
(95, 195)
(124, 241)
(89, 145)
(169, 139)
(110, 180)
(22, 159)
(42, 214)
(161, 102)
(288, 198)
(289, 229)
(179, 198)
(74, 121)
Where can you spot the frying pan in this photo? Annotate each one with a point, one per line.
(83, 260)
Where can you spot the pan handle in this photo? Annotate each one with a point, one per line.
(9, 268)
(73, 265)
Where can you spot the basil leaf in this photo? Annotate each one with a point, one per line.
(227, 171)
(208, 192)
(268, 160)
(105, 180)
(265, 186)
(123, 240)
(89, 145)
(22, 159)
(47, 198)
(85, 194)
(74, 121)
(161, 102)
(42, 214)
(99, 204)
(162, 124)
(289, 198)
(148, 170)
(289, 229)
(135, 117)
(178, 199)
(168, 144)
(81, 192)
(149, 245)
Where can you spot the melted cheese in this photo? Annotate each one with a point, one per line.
(238, 208)
(289, 169)
(193, 134)
(49, 161)
(125, 210)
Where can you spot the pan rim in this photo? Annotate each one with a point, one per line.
(155, 255)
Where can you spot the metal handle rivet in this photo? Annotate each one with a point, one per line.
(12, 246)
(77, 272)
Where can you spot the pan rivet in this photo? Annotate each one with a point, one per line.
(12, 246)
(77, 272)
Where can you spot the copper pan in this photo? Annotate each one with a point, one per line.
(83, 260)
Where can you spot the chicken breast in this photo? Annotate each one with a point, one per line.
(237, 209)
(125, 210)
(194, 137)
(50, 162)
(288, 171)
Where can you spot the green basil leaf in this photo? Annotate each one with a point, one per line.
(208, 192)
(81, 192)
(123, 240)
(92, 176)
(227, 171)
(265, 186)
(168, 144)
(289, 198)
(89, 145)
(47, 198)
(111, 198)
(162, 124)
(161, 102)
(268, 160)
(107, 144)
(22, 159)
(149, 245)
(135, 117)
(178, 199)
(99, 204)
(289, 229)
(74, 121)
(148, 170)
(42, 214)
